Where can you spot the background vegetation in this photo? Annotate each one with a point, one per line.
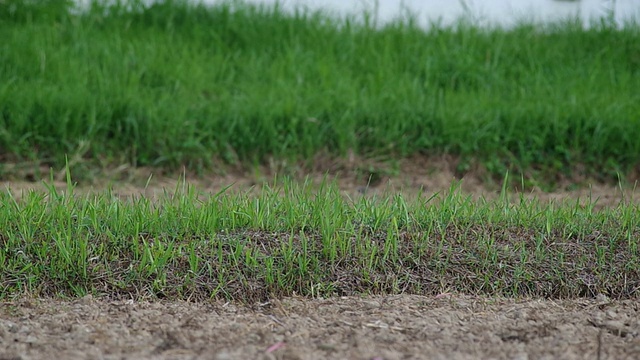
(177, 84)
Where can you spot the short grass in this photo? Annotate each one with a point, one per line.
(295, 239)
(177, 84)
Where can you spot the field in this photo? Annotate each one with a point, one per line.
(186, 182)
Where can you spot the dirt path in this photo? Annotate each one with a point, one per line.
(392, 327)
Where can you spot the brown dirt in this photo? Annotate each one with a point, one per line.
(391, 327)
(354, 176)
(448, 326)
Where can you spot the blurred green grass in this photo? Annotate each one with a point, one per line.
(182, 84)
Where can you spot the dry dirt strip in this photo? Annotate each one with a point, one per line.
(391, 327)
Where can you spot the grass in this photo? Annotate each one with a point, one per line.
(297, 240)
(177, 84)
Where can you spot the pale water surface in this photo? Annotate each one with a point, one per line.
(481, 12)
(503, 12)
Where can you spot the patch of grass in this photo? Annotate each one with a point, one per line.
(294, 240)
(174, 84)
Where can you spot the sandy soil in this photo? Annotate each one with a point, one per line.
(355, 177)
(449, 326)
(394, 327)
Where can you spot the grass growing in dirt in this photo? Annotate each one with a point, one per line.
(296, 240)
(174, 84)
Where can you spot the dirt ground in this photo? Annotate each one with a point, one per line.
(355, 177)
(449, 326)
(394, 327)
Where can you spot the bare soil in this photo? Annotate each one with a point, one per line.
(424, 175)
(447, 326)
(384, 327)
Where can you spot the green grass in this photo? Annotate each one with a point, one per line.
(297, 240)
(177, 84)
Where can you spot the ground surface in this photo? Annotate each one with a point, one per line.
(393, 327)
(354, 176)
(449, 326)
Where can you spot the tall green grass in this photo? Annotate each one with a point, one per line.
(175, 84)
(297, 240)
